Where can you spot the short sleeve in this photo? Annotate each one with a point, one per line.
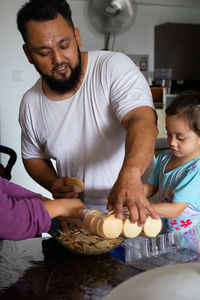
(129, 88)
(188, 189)
(30, 147)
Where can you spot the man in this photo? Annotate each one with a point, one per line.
(91, 112)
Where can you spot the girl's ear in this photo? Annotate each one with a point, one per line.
(28, 54)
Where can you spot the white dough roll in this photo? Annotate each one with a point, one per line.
(130, 230)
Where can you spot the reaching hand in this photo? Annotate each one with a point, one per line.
(64, 209)
(73, 211)
(128, 192)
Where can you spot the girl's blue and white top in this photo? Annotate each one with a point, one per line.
(179, 185)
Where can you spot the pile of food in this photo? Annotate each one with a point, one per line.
(100, 233)
(81, 241)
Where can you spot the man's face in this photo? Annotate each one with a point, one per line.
(53, 48)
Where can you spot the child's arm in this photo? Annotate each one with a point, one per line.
(166, 210)
(170, 210)
(27, 217)
(149, 189)
(16, 191)
(63, 207)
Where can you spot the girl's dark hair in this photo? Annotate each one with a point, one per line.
(42, 10)
(186, 106)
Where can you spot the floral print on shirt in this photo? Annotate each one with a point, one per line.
(177, 224)
(174, 224)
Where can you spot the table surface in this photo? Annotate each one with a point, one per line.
(41, 268)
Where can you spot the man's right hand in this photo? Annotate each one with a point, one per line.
(60, 190)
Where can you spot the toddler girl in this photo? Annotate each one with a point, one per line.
(176, 173)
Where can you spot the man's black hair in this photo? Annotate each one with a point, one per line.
(42, 10)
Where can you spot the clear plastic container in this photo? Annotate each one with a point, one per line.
(169, 248)
(163, 78)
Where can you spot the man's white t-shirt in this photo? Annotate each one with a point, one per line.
(83, 134)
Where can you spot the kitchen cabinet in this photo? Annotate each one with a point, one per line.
(161, 101)
(177, 47)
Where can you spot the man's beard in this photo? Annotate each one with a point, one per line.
(62, 86)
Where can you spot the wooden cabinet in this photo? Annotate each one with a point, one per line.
(177, 47)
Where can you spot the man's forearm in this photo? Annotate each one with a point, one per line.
(42, 171)
(128, 190)
(141, 133)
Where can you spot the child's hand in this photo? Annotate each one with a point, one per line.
(64, 207)
(72, 208)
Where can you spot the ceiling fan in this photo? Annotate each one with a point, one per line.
(111, 17)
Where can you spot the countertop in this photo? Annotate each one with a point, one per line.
(41, 268)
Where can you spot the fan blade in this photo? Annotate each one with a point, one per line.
(111, 16)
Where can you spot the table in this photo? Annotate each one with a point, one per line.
(41, 268)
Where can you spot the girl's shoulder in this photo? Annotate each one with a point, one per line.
(164, 156)
(193, 165)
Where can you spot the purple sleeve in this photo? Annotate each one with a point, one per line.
(22, 218)
(14, 190)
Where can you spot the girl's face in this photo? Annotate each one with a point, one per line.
(183, 142)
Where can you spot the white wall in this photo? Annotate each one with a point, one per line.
(17, 75)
